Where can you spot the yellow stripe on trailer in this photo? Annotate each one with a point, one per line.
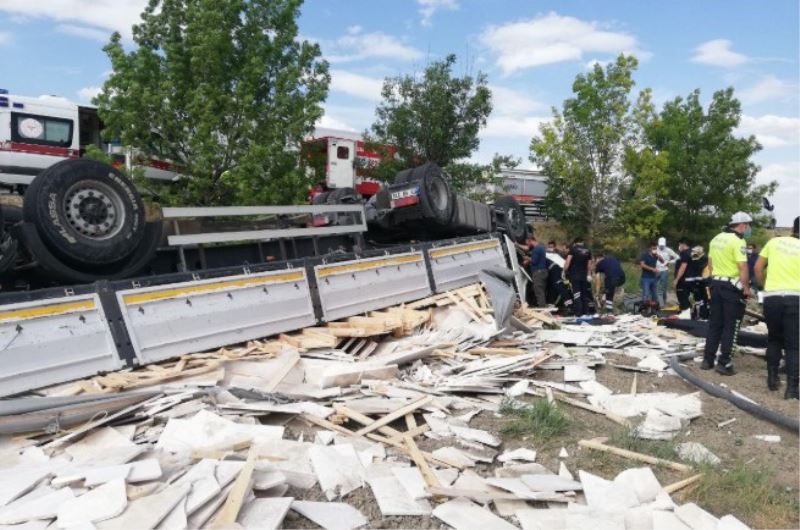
(330, 270)
(441, 253)
(47, 311)
(152, 296)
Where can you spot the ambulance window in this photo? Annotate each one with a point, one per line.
(41, 130)
(342, 152)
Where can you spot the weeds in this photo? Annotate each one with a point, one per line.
(749, 494)
(542, 419)
(627, 439)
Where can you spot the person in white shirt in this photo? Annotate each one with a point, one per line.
(666, 257)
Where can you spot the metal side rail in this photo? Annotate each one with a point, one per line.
(57, 335)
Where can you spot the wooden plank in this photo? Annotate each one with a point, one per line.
(632, 455)
(413, 451)
(411, 421)
(675, 486)
(364, 419)
(396, 414)
(226, 517)
(416, 431)
(497, 351)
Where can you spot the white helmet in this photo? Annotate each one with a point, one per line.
(740, 217)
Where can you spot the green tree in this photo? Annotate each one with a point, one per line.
(583, 149)
(225, 90)
(710, 171)
(435, 117)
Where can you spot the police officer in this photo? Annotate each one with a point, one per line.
(613, 277)
(730, 287)
(576, 268)
(781, 259)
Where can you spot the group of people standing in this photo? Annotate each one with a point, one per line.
(729, 273)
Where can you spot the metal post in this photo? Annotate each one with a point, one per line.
(181, 255)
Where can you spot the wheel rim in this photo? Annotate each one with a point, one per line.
(437, 194)
(94, 209)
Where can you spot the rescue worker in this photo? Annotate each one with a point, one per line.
(538, 270)
(682, 290)
(730, 287)
(647, 262)
(696, 282)
(576, 268)
(613, 278)
(666, 257)
(752, 257)
(781, 259)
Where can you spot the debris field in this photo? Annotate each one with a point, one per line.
(285, 432)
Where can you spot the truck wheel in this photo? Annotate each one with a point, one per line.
(344, 196)
(404, 176)
(436, 197)
(510, 218)
(86, 212)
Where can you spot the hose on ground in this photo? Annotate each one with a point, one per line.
(757, 410)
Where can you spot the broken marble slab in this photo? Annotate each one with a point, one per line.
(290, 458)
(476, 435)
(575, 373)
(695, 517)
(104, 502)
(206, 430)
(517, 455)
(550, 483)
(463, 514)
(580, 516)
(264, 513)
(469, 480)
(653, 362)
(330, 515)
(541, 518)
(145, 513)
(394, 499)
(476, 451)
(769, 438)
(595, 388)
(518, 388)
(265, 479)
(658, 426)
(697, 453)
(42, 503)
(413, 482)
(667, 520)
(642, 481)
(16, 481)
(729, 522)
(338, 469)
(176, 519)
(103, 447)
(605, 494)
(454, 455)
(564, 472)
(517, 470)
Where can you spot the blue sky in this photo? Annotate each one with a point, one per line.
(530, 50)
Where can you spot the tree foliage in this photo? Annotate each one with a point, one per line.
(709, 173)
(434, 117)
(224, 90)
(582, 151)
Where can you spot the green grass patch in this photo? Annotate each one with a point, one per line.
(627, 439)
(541, 419)
(749, 494)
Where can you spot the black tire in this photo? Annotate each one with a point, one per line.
(435, 195)
(510, 218)
(8, 243)
(404, 176)
(86, 212)
(344, 196)
(320, 198)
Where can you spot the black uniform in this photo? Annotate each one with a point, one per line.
(696, 285)
(682, 289)
(578, 270)
(613, 277)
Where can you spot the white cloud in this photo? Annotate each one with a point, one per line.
(88, 93)
(512, 127)
(771, 130)
(113, 15)
(507, 101)
(718, 52)
(553, 38)
(356, 85)
(84, 32)
(356, 45)
(427, 8)
(5, 37)
(330, 122)
(768, 88)
(594, 62)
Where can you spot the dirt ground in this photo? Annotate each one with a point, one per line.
(733, 443)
